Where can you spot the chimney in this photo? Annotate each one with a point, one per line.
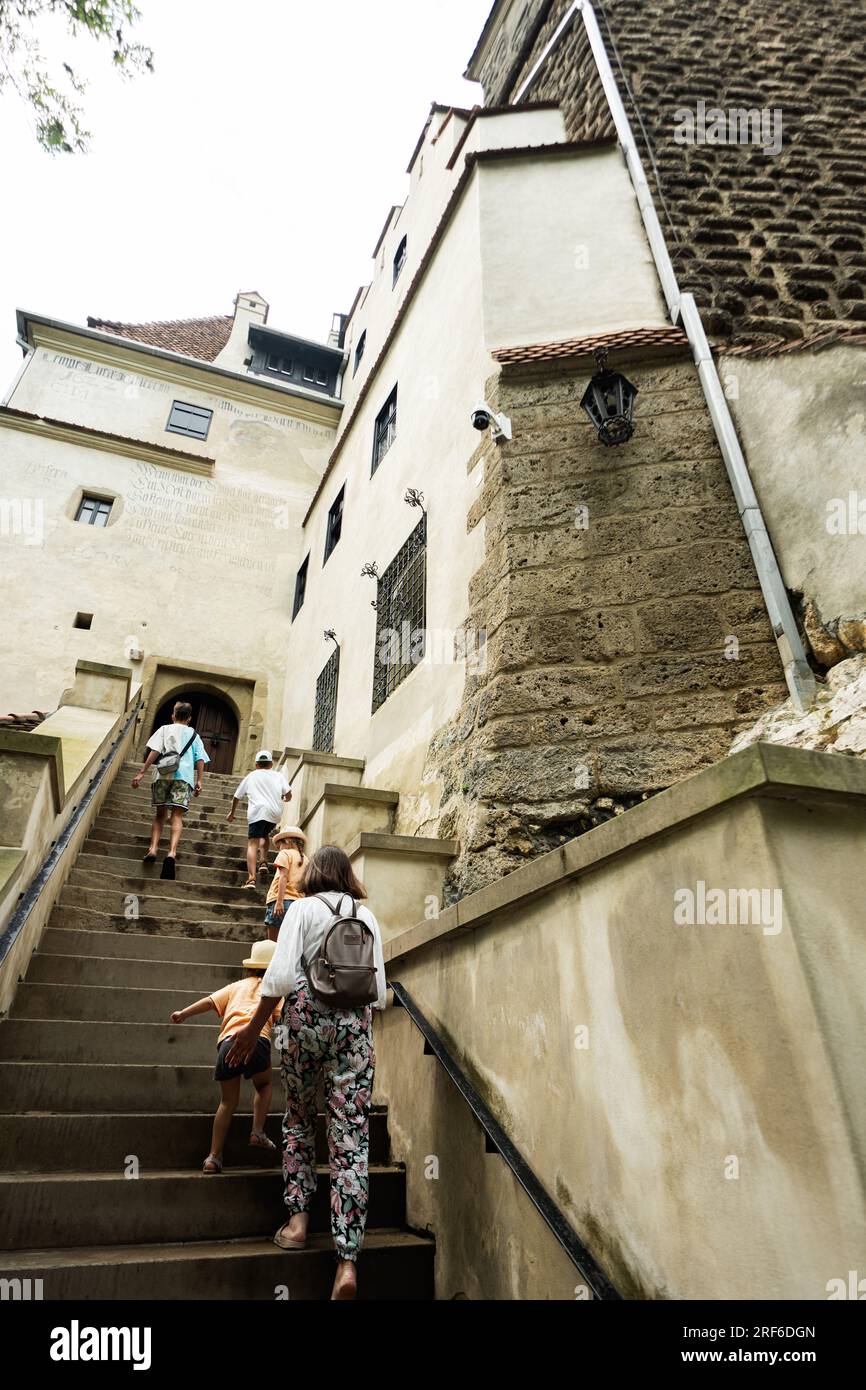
(250, 308)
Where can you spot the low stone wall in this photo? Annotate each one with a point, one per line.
(43, 776)
(688, 1091)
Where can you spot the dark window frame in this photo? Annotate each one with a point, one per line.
(89, 501)
(173, 426)
(401, 599)
(400, 259)
(384, 430)
(335, 524)
(359, 351)
(325, 708)
(301, 586)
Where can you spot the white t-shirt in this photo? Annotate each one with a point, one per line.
(302, 933)
(265, 788)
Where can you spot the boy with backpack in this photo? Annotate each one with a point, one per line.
(177, 757)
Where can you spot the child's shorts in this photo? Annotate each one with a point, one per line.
(170, 792)
(261, 829)
(260, 1060)
(270, 919)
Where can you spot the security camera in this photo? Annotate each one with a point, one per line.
(484, 417)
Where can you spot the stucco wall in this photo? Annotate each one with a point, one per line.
(690, 1095)
(802, 421)
(197, 567)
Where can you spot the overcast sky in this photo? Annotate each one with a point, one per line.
(263, 154)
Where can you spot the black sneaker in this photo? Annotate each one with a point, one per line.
(168, 865)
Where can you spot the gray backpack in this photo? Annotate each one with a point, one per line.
(343, 975)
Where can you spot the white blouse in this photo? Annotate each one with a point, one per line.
(302, 933)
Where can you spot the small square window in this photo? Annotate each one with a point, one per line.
(385, 430)
(335, 523)
(84, 621)
(309, 374)
(93, 511)
(300, 588)
(191, 420)
(321, 377)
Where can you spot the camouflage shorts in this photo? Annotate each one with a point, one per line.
(171, 792)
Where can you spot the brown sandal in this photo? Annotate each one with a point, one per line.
(285, 1242)
(250, 883)
(259, 1140)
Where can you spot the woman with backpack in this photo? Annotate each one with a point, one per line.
(329, 968)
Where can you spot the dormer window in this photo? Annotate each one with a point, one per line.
(399, 261)
(280, 366)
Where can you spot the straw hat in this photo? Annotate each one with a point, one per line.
(261, 956)
(289, 832)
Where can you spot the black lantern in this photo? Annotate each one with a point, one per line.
(609, 401)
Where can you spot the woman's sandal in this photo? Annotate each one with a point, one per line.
(263, 869)
(250, 883)
(285, 1242)
(149, 858)
(212, 1164)
(259, 1140)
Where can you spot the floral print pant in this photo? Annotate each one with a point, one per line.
(338, 1045)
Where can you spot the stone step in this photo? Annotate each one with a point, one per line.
(156, 904)
(55, 1143)
(117, 866)
(76, 1040)
(50, 967)
(69, 941)
(113, 1088)
(66, 1209)
(226, 929)
(145, 879)
(130, 769)
(224, 837)
(396, 1266)
(193, 854)
(102, 1004)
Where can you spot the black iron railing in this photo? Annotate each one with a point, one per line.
(30, 896)
(497, 1141)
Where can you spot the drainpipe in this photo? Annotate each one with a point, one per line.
(683, 310)
(28, 350)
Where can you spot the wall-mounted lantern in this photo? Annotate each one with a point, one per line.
(609, 402)
(413, 498)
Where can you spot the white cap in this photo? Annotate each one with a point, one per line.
(264, 756)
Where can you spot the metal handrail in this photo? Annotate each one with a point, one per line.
(30, 896)
(498, 1142)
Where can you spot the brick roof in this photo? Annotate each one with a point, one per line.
(22, 723)
(203, 339)
(568, 349)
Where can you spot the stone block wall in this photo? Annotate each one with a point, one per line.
(771, 246)
(627, 638)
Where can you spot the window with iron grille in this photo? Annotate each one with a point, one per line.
(359, 351)
(325, 716)
(385, 430)
(191, 420)
(401, 616)
(335, 523)
(399, 261)
(93, 511)
(300, 588)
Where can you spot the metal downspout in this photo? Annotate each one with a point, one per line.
(683, 310)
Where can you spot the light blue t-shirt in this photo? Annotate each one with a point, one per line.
(173, 738)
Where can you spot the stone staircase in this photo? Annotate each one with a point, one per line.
(96, 1084)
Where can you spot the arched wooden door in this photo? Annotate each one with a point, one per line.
(214, 722)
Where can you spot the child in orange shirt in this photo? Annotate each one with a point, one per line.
(289, 864)
(236, 1005)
